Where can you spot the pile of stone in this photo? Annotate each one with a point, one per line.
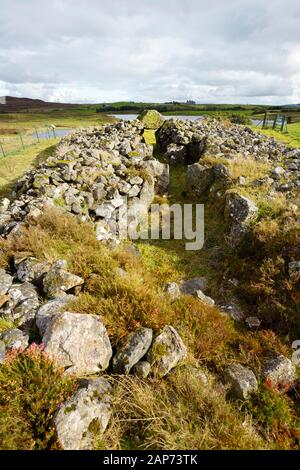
(81, 344)
(38, 295)
(34, 279)
(93, 173)
(190, 140)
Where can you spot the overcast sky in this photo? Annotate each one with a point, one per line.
(222, 51)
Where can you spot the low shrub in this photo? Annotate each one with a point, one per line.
(31, 389)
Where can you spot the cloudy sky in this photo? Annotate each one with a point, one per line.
(222, 51)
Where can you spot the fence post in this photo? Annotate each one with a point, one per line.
(275, 121)
(3, 153)
(264, 121)
(284, 125)
(21, 138)
(37, 135)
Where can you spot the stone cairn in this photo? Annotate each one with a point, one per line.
(92, 173)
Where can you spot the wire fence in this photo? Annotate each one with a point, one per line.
(277, 122)
(12, 143)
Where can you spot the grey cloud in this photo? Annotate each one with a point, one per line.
(92, 51)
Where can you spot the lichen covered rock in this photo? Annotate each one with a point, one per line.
(58, 280)
(167, 351)
(14, 339)
(78, 342)
(49, 309)
(134, 347)
(278, 372)
(151, 119)
(85, 415)
(242, 380)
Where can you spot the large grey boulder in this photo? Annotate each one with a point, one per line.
(31, 269)
(151, 119)
(58, 280)
(242, 380)
(14, 339)
(167, 351)
(239, 212)
(47, 311)
(199, 179)
(78, 342)
(134, 347)
(85, 415)
(239, 208)
(278, 372)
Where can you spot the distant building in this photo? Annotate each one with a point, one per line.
(190, 102)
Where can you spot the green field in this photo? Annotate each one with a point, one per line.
(69, 118)
(292, 137)
(18, 160)
(12, 125)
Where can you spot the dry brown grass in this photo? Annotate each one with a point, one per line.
(178, 412)
(240, 166)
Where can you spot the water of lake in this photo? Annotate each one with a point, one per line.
(127, 117)
(131, 117)
(58, 133)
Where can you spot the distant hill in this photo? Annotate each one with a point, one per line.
(11, 104)
(291, 106)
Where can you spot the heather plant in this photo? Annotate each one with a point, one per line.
(31, 389)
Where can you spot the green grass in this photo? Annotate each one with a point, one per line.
(292, 137)
(67, 118)
(15, 165)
